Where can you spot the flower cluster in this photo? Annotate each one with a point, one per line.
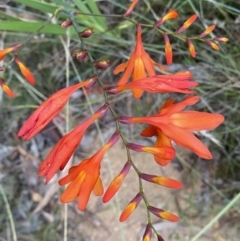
(172, 123)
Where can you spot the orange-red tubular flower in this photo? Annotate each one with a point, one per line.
(221, 39)
(129, 209)
(138, 66)
(172, 14)
(163, 214)
(130, 8)
(6, 89)
(3, 52)
(66, 146)
(207, 31)
(49, 109)
(168, 49)
(177, 83)
(187, 23)
(165, 153)
(116, 183)
(85, 177)
(147, 234)
(177, 124)
(162, 181)
(25, 71)
(191, 48)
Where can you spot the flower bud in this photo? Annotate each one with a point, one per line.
(65, 24)
(116, 183)
(163, 181)
(191, 48)
(147, 234)
(163, 214)
(86, 33)
(130, 207)
(212, 44)
(102, 64)
(221, 39)
(6, 89)
(91, 81)
(80, 55)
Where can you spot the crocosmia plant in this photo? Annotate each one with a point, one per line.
(172, 126)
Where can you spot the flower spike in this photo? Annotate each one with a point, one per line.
(163, 214)
(6, 89)
(49, 109)
(130, 8)
(66, 146)
(84, 177)
(168, 49)
(207, 31)
(25, 71)
(4, 52)
(116, 183)
(129, 209)
(187, 23)
(172, 14)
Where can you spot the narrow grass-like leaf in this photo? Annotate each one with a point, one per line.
(31, 27)
(8, 17)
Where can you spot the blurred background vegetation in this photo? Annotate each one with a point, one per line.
(210, 186)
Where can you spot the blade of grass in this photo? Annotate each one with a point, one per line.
(216, 218)
(9, 213)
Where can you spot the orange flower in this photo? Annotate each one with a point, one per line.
(161, 152)
(25, 71)
(5, 88)
(129, 209)
(172, 14)
(177, 124)
(187, 23)
(8, 50)
(116, 183)
(179, 83)
(66, 146)
(139, 65)
(85, 177)
(49, 109)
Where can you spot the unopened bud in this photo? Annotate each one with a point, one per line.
(102, 64)
(80, 55)
(65, 24)
(86, 33)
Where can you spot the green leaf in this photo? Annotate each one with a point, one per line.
(41, 6)
(8, 16)
(31, 27)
